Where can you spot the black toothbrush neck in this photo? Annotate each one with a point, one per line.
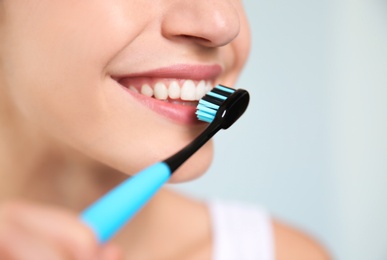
(176, 160)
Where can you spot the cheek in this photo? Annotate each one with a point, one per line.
(236, 53)
(50, 92)
(56, 57)
(242, 43)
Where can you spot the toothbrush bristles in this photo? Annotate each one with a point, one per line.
(210, 103)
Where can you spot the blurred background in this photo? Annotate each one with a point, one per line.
(312, 147)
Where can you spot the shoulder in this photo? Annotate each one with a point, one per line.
(291, 243)
(263, 235)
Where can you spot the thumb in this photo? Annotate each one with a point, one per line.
(111, 252)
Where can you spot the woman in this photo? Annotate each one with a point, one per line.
(94, 91)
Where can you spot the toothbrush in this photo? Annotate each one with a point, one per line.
(220, 107)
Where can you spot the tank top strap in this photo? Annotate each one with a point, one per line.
(241, 231)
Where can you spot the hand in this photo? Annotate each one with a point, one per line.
(30, 231)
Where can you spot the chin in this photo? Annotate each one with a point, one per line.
(194, 167)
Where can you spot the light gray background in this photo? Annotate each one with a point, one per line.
(312, 147)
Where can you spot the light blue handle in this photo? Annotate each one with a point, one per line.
(108, 214)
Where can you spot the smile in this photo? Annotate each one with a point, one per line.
(172, 92)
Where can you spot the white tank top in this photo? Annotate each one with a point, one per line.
(241, 232)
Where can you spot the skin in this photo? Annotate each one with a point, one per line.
(69, 133)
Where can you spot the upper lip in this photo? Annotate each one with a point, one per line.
(179, 71)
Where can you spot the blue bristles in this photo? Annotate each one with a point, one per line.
(210, 103)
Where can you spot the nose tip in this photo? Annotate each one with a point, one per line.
(211, 23)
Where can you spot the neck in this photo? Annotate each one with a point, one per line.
(170, 227)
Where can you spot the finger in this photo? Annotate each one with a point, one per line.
(60, 227)
(111, 252)
(19, 244)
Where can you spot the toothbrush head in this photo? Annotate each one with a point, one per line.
(223, 105)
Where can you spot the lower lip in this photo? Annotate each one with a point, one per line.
(183, 114)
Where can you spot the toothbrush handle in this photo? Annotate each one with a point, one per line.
(108, 214)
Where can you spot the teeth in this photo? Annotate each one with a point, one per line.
(146, 90)
(160, 91)
(189, 91)
(200, 90)
(133, 89)
(208, 87)
(174, 90)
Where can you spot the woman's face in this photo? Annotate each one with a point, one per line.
(82, 72)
